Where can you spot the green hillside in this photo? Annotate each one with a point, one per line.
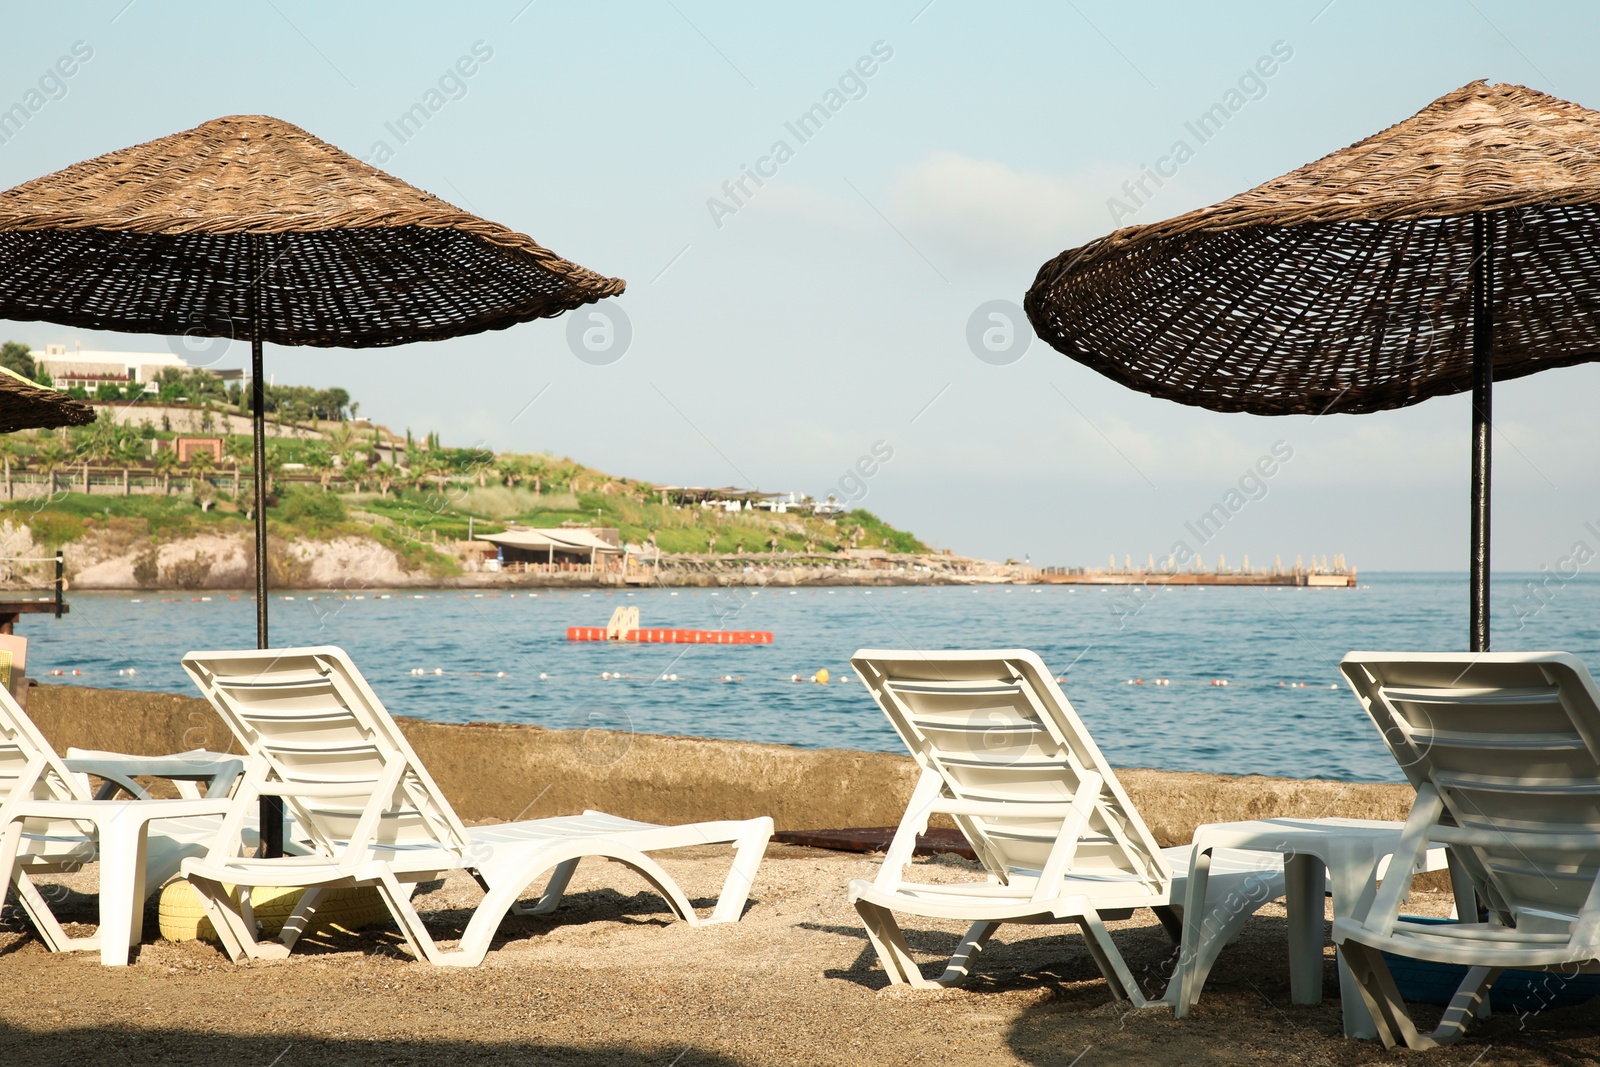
(340, 485)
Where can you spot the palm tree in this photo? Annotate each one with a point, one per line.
(10, 452)
(235, 450)
(130, 449)
(432, 465)
(53, 459)
(402, 478)
(200, 467)
(165, 463)
(274, 466)
(341, 442)
(384, 474)
(510, 470)
(321, 461)
(357, 474)
(98, 445)
(201, 464)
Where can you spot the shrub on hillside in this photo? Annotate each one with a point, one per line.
(313, 512)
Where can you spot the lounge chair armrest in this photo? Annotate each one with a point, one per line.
(95, 810)
(221, 769)
(904, 845)
(1065, 848)
(1421, 824)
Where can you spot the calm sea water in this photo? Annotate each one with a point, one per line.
(506, 658)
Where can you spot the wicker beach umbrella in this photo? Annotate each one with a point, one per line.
(249, 227)
(26, 405)
(1458, 246)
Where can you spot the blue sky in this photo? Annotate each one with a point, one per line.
(827, 314)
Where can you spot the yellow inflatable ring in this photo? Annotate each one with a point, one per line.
(341, 910)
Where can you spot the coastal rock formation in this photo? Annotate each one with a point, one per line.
(210, 561)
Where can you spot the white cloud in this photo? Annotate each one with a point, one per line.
(985, 207)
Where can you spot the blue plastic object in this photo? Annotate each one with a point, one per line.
(1426, 982)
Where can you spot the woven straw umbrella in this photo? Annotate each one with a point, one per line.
(1459, 246)
(249, 227)
(26, 405)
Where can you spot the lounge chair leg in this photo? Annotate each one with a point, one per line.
(751, 847)
(398, 899)
(299, 920)
(32, 901)
(1214, 928)
(1190, 976)
(233, 919)
(890, 944)
(44, 921)
(1382, 998)
(1172, 922)
(1112, 965)
(1470, 998)
(959, 968)
(553, 891)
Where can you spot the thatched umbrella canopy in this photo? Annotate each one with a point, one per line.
(174, 235)
(249, 227)
(26, 405)
(1458, 246)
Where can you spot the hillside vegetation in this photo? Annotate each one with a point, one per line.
(341, 486)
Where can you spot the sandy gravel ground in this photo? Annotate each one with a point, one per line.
(612, 979)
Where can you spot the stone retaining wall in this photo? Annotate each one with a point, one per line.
(500, 771)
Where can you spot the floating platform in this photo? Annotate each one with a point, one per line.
(670, 637)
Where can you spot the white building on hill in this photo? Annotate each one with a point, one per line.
(89, 367)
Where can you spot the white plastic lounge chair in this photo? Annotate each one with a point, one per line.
(50, 824)
(318, 736)
(1004, 755)
(1504, 751)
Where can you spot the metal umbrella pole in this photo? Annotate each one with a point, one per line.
(271, 807)
(258, 425)
(1482, 427)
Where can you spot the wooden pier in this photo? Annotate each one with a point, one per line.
(11, 610)
(55, 604)
(1050, 576)
(1335, 575)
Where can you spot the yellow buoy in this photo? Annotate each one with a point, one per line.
(821, 677)
(342, 910)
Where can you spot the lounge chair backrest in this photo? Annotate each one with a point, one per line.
(30, 769)
(310, 721)
(1511, 742)
(29, 766)
(995, 727)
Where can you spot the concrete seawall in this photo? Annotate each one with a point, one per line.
(501, 771)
